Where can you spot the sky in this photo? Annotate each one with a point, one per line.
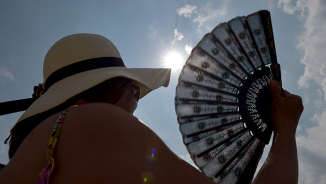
(147, 32)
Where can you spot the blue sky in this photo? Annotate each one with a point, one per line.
(146, 31)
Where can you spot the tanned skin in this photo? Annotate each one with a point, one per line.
(105, 143)
(281, 165)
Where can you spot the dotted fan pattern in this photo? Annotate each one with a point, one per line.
(222, 100)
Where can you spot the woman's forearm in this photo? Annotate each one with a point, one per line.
(281, 165)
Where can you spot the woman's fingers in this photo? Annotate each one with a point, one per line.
(275, 90)
(286, 93)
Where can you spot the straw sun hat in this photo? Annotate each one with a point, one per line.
(78, 62)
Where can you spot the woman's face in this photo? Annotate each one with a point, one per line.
(128, 100)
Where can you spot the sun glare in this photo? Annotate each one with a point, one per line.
(174, 60)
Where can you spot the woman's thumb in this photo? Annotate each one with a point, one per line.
(275, 90)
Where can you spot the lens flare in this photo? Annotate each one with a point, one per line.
(147, 177)
(151, 154)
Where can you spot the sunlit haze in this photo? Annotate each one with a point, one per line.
(174, 60)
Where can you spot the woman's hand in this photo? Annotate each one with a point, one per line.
(286, 109)
(281, 165)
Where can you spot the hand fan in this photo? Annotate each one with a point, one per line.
(222, 99)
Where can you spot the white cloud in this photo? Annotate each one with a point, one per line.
(284, 74)
(5, 74)
(319, 102)
(187, 10)
(299, 128)
(311, 167)
(270, 3)
(204, 14)
(316, 137)
(290, 6)
(201, 19)
(208, 14)
(152, 32)
(177, 36)
(311, 152)
(305, 99)
(188, 49)
(313, 41)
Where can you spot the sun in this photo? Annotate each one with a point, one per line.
(174, 60)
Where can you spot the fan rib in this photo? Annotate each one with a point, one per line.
(265, 19)
(229, 54)
(234, 156)
(243, 50)
(223, 101)
(248, 173)
(210, 156)
(209, 101)
(222, 142)
(255, 44)
(213, 76)
(221, 126)
(209, 88)
(212, 114)
(219, 62)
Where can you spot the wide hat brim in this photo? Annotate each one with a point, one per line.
(147, 79)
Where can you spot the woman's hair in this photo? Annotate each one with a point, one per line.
(109, 91)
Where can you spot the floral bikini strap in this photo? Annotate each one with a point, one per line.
(44, 176)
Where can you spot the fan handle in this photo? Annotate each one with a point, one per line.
(276, 71)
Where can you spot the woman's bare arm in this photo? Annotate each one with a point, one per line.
(281, 165)
(106, 144)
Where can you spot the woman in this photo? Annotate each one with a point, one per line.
(98, 140)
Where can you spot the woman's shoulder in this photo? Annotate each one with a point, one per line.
(83, 134)
(99, 119)
(101, 143)
(96, 120)
(102, 140)
(114, 146)
(99, 109)
(98, 113)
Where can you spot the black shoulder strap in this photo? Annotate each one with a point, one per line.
(15, 106)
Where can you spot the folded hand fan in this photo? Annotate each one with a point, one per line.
(222, 99)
